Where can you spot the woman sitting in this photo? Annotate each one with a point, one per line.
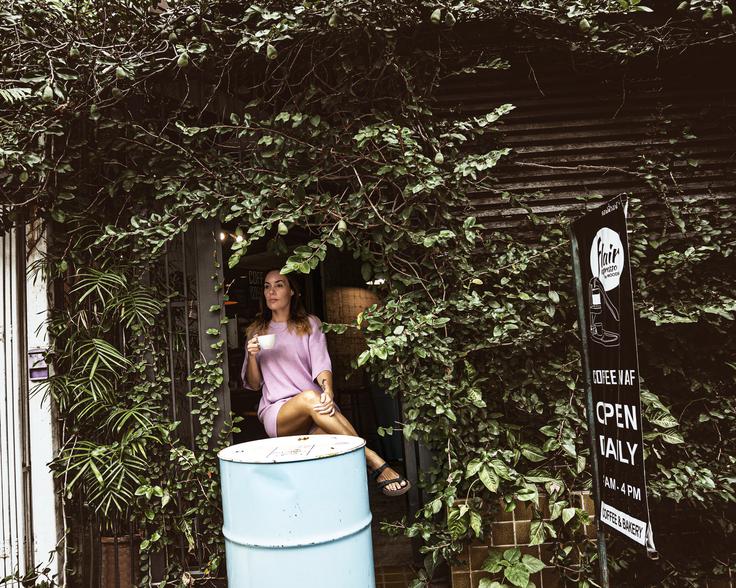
(290, 403)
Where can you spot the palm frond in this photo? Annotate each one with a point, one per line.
(139, 306)
(104, 285)
(14, 95)
(59, 389)
(120, 417)
(98, 385)
(88, 407)
(108, 474)
(92, 353)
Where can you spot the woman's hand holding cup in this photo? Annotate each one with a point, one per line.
(253, 347)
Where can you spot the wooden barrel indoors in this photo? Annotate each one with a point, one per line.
(343, 305)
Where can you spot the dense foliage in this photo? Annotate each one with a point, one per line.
(125, 125)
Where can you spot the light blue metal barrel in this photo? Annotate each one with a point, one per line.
(296, 513)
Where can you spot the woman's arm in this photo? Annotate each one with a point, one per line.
(321, 367)
(253, 377)
(326, 402)
(324, 379)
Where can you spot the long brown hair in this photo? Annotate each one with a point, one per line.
(298, 317)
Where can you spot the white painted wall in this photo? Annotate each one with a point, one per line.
(46, 519)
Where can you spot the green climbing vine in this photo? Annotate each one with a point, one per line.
(125, 124)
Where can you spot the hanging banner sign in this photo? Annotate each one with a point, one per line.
(604, 278)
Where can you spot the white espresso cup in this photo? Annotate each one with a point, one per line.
(266, 341)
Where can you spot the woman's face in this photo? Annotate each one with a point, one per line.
(277, 291)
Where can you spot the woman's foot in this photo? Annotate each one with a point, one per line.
(389, 481)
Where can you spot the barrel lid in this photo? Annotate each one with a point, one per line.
(290, 449)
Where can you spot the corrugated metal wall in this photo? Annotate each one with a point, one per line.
(584, 130)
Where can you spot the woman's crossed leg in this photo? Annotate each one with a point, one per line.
(300, 415)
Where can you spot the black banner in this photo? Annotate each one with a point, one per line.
(604, 278)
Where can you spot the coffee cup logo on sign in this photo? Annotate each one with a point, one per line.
(606, 265)
(607, 258)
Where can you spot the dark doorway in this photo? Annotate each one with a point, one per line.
(335, 292)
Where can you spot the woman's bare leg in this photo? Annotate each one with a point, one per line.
(297, 416)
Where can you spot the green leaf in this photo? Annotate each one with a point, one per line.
(567, 514)
(528, 493)
(517, 574)
(512, 555)
(489, 478)
(501, 469)
(456, 524)
(536, 533)
(476, 523)
(473, 467)
(197, 47)
(568, 447)
(555, 509)
(96, 472)
(366, 270)
(532, 564)
(580, 464)
(533, 454)
(493, 563)
(672, 437)
(664, 419)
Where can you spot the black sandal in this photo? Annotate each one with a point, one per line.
(406, 484)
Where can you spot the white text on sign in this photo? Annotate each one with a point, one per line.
(623, 415)
(614, 377)
(615, 448)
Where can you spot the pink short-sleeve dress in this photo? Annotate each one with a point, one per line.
(290, 367)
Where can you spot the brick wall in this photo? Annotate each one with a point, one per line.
(511, 529)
